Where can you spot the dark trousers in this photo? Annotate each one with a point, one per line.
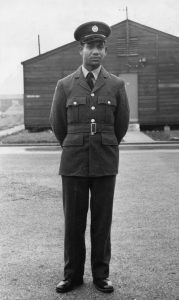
(75, 203)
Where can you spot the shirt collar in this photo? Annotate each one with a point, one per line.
(95, 72)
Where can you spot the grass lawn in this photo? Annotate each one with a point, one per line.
(43, 137)
(25, 137)
(161, 135)
(11, 121)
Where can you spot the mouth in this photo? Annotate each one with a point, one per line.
(95, 58)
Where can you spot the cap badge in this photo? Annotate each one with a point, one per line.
(95, 28)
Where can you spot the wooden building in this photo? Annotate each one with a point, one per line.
(146, 58)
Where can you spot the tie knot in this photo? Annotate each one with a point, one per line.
(90, 75)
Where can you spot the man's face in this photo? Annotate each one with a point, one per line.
(92, 54)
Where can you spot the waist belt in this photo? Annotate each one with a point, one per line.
(90, 128)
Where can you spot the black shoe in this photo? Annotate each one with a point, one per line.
(67, 285)
(103, 285)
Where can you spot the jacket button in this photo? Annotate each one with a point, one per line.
(92, 94)
(92, 120)
(109, 102)
(93, 107)
(75, 103)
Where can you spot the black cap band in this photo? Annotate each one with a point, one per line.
(94, 30)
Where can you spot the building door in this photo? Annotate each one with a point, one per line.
(131, 84)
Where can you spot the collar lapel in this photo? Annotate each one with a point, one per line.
(82, 81)
(101, 79)
(103, 75)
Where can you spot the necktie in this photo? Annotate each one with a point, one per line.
(89, 80)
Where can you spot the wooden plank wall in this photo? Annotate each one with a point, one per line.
(40, 79)
(168, 83)
(158, 78)
(147, 74)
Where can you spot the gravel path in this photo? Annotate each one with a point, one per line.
(144, 235)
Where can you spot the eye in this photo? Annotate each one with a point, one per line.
(100, 47)
(89, 46)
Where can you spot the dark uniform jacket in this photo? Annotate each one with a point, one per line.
(89, 124)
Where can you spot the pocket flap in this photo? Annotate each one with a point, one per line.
(107, 100)
(109, 139)
(74, 101)
(73, 140)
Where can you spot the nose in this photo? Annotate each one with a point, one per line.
(95, 51)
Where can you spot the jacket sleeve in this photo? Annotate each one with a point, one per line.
(122, 113)
(58, 113)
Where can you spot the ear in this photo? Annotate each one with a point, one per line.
(81, 49)
(106, 50)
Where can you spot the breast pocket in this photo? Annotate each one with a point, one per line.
(107, 106)
(75, 109)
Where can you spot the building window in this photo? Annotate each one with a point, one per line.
(127, 48)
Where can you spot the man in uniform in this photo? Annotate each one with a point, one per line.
(89, 117)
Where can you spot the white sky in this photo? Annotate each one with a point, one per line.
(55, 20)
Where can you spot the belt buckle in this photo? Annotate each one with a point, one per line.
(93, 128)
